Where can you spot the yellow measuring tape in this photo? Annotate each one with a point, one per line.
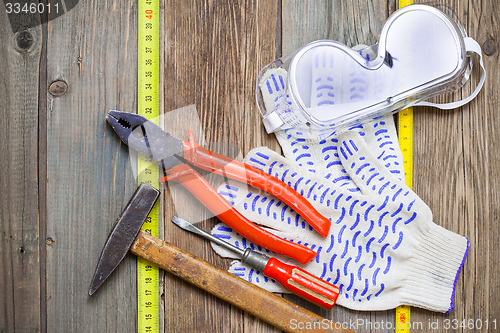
(148, 170)
(405, 132)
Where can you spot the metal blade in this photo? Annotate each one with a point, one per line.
(191, 227)
(124, 233)
(147, 138)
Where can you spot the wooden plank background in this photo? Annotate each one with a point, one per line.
(20, 274)
(66, 177)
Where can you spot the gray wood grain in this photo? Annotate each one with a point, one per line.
(349, 22)
(19, 230)
(93, 48)
(213, 53)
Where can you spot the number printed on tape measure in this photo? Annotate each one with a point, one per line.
(405, 126)
(148, 106)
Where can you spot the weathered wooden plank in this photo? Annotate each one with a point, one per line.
(93, 49)
(208, 56)
(19, 242)
(481, 278)
(463, 167)
(213, 52)
(456, 173)
(352, 23)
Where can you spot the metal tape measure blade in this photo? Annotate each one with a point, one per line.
(405, 127)
(405, 134)
(148, 106)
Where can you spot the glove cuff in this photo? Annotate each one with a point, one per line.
(433, 268)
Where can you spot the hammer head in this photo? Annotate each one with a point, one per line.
(124, 233)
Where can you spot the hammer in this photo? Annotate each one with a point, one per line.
(127, 235)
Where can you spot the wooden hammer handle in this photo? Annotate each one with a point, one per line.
(265, 305)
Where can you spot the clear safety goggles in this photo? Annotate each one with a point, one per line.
(421, 53)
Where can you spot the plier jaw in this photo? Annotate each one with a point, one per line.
(147, 138)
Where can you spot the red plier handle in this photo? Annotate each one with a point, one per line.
(209, 197)
(224, 166)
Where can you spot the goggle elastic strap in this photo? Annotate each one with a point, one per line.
(471, 46)
(272, 122)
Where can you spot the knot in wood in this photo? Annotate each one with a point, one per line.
(489, 47)
(58, 88)
(24, 40)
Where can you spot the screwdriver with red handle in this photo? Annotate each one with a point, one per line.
(291, 277)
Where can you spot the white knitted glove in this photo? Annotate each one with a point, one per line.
(383, 249)
(356, 179)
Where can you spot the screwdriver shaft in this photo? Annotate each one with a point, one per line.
(190, 227)
(291, 277)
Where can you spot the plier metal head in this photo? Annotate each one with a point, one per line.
(147, 138)
(177, 155)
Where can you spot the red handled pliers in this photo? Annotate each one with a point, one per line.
(174, 155)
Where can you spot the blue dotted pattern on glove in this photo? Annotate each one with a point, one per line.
(300, 150)
(363, 227)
